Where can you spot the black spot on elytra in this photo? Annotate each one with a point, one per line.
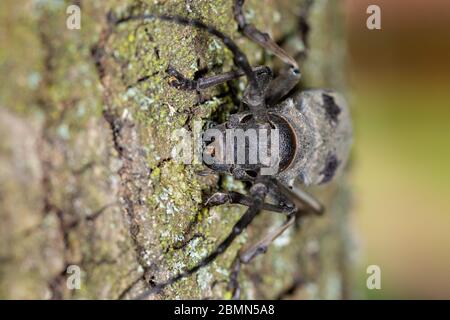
(331, 108)
(329, 170)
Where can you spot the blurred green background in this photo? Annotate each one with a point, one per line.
(400, 93)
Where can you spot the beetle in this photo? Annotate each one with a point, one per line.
(314, 135)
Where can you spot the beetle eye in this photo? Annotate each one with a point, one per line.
(246, 118)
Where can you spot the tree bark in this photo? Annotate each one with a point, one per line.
(87, 176)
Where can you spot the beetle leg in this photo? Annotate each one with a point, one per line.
(254, 94)
(281, 85)
(258, 192)
(287, 80)
(183, 83)
(263, 76)
(219, 198)
(301, 204)
(250, 253)
(262, 38)
(302, 200)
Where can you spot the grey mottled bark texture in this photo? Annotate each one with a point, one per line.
(86, 173)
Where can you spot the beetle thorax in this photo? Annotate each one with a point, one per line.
(244, 146)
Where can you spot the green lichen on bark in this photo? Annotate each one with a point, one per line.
(94, 113)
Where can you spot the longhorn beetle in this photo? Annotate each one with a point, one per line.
(314, 130)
